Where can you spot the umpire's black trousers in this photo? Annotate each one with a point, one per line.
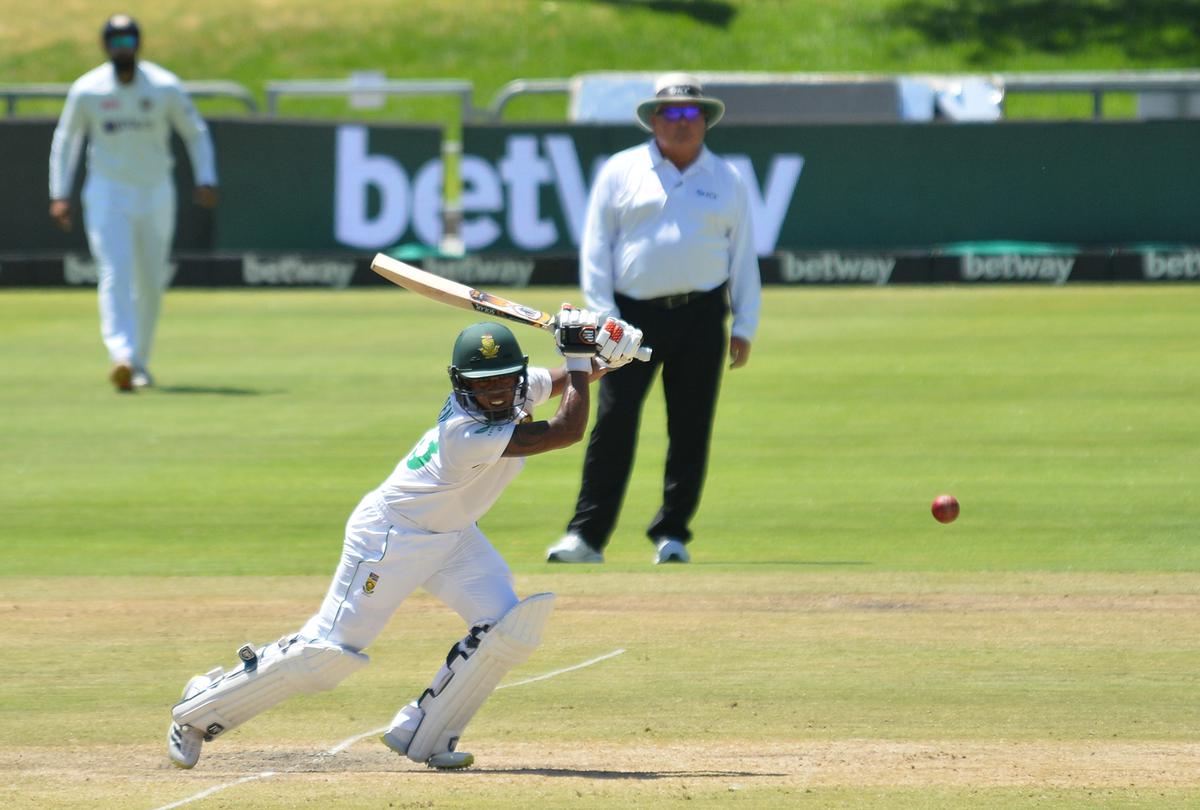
(687, 334)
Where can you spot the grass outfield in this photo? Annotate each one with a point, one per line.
(832, 646)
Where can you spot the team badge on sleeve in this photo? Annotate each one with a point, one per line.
(372, 581)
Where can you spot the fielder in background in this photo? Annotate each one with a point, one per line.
(418, 529)
(126, 109)
(667, 243)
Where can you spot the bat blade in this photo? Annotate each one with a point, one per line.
(459, 295)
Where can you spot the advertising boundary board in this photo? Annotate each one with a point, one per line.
(788, 268)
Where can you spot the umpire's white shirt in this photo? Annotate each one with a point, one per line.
(652, 231)
(128, 129)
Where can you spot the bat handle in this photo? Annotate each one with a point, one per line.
(644, 353)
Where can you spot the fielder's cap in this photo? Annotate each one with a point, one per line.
(120, 25)
(679, 88)
(487, 350)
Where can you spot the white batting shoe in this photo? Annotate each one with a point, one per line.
(183, 745)
(670, 550)
(572, 549)
(451, 760)
(184, 742)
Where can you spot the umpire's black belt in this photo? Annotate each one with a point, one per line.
(679, 300)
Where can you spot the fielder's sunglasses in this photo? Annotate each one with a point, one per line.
(690, 111)
(122, 42)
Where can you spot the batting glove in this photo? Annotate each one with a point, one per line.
(575, 335)
(618, 343)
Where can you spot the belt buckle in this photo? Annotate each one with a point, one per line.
(675, 301)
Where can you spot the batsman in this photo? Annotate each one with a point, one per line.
(419, 529)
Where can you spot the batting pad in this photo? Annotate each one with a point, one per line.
(462, 686)
(290, 666)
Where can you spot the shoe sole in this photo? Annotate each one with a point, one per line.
(451, 761)
(181, 764)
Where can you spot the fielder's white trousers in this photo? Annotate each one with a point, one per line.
(129, 231)
(383, 563)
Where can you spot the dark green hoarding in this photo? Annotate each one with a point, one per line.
(329, 187)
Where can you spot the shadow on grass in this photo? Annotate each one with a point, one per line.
(643, 776)
(709, 12)
(780, 562)
(214, 390)
(1144, 29)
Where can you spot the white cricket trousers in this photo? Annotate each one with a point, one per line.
(129, 231)
(383, 563)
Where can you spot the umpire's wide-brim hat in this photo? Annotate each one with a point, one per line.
(679, 88)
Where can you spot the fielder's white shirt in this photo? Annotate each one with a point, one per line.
(456, 471)
(128, 128)
(652, 231)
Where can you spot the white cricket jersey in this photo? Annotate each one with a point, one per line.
(652, 230)
(128, 128)
(456, 471)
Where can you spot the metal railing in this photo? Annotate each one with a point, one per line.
(13, 93)
(462, 89)
(525, 87)
(1180, 83)
(1176, 82)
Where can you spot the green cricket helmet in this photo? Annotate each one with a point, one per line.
(488, 350)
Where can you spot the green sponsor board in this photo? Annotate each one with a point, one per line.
(303, 186)
(321, 186)
(871, 186)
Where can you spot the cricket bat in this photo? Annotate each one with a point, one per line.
(458, 295)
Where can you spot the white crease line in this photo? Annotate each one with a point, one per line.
(344, 744)
(612, 654)
(204, 794)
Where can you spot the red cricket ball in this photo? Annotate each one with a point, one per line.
(945, 508)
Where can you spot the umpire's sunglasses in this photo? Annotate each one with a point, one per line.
(678, 113)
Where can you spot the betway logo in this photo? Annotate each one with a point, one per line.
(476, 270)
(830, 268)
(1171, 266)
(1015, 267)
(288, 270)
(506, 199)
(83, 270)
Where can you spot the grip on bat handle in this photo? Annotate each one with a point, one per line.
(644, 353)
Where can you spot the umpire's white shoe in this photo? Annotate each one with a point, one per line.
(572, 549)
(670, 550)
(184, 742)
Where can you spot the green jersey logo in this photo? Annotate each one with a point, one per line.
(417, 459)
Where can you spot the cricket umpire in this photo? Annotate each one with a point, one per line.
(668, 244)
(125, 109)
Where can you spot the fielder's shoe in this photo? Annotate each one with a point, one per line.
(670, 550)
(142, 378)
(121, 376)
(572, 549)
(184, 742)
